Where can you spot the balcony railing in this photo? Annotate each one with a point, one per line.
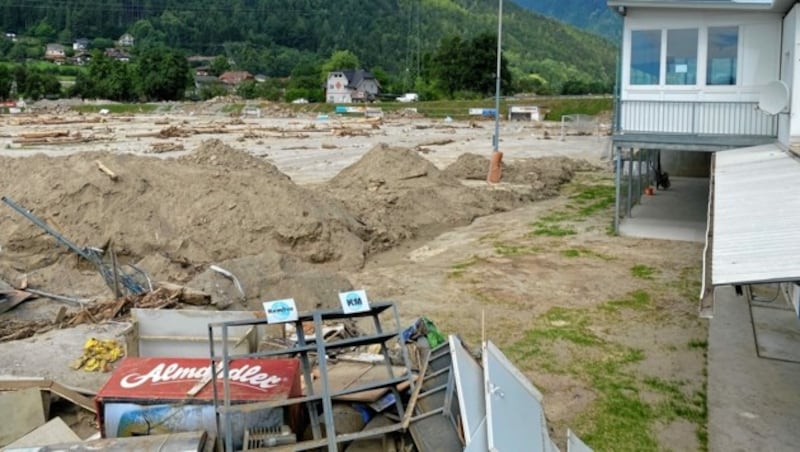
(696, 118)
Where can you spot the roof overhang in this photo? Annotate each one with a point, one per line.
(780, 6)
(756, 216)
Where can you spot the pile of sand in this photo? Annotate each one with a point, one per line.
(219, 205)
(399, 194)
(215, 205)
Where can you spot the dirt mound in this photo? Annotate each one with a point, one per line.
(217, 154)
(273, 276)
(398, 194)
(385, 166)
(545, 174)
(186, 211)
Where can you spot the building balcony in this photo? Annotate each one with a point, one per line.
(701, 126)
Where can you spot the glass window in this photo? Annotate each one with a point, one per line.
(645, 57)
(723, 49)
(681, 57)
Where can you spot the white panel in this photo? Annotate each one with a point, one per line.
(513, 406)
(479, 441)
(184, 333)
(469, 387)
(756, 216)
(760, 53)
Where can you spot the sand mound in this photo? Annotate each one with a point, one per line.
(545, 175)
(398, 194)
(190, 211)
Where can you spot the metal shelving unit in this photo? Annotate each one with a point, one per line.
(312, 401)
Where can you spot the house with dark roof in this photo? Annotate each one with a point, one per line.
(344, 87)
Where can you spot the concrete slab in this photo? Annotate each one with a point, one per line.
(54, 432)
(678, 213)
(28, 413)
(753, 402)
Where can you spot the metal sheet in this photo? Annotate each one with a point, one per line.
(513, 406)
(187, 442)
(756, 216)
(469, 387)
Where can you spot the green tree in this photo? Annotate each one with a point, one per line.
(220, 65)
(105, 78)
(6, 80)
(163, 74)
(339, 61)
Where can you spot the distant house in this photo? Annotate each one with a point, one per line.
(234, 78)
(126, 40)
(11, 37)
(344, 87)
(55, 52)
(119, 55)
(80, 44)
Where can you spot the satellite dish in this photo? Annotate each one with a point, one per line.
(774, 98)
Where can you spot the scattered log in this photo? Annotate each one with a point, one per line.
(44, 134)
(104, 169)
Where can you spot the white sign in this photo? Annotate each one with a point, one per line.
(163, 373)
(354, 301)
(281, 311)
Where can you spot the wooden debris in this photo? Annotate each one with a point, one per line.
(436, 142)
(46, 134)
(112, 175)
(160, 298)
(159, 148)
(186, 294)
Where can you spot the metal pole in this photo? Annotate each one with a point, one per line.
(496, 137)
(618, 163)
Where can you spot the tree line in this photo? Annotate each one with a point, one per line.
(279, 38)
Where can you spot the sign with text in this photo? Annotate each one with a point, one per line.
(354, 301)
(280, 311)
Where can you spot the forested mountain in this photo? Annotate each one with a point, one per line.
(591, 15)
(274, 36)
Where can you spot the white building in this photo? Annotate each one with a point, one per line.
(707, 88)
(345, 87)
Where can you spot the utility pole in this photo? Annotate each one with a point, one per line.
(496, 138)
(495, 169)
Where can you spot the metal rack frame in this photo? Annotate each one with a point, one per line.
(222, 402)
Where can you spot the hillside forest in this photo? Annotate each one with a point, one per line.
(438, 48)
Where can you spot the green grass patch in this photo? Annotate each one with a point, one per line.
(688, 283)
(117, 108)
(510, 250)
(700, 344)
(552, 230)
(585, 252)
(459, 268)
(637, 300)
(643, 271)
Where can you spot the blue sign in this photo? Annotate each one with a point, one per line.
(354, 301)
(280, 311)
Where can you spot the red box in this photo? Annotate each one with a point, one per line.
(151, 395)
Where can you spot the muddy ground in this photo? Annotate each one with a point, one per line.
(606, 327)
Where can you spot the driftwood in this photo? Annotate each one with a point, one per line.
(104, 169)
